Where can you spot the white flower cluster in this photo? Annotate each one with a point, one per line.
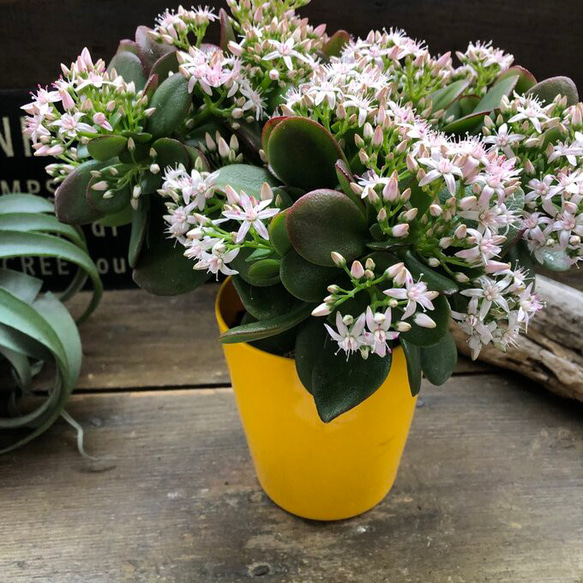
(547, 141)
(173, 27)
(85, 102)
(198, 211)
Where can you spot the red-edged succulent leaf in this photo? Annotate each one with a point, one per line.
(127, 45)
(170, 152)
(323, 221)
(165, 65)
(303, 153)
(149, 50)
(345, 177)
(269, 126)
(227, 32)
(336, 43)
(71, 205)
(244, 177)
(526, 80)
(278, 234)
(151, 85)
(549, 88)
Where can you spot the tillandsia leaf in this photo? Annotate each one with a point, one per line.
(39, 223)
(269, 327)
(139, 229)
(149, 50)
(526, 80)
(244, 177)
(25, 203)
(413, 357)
(18, 244)
(311, 339)
(306, 280)
(104, 148)
(227, 33)
(71, 204)
(548, 89)
(172, 102)
(303, 153)
(265, 269)
(162, 268)
(242, 266)
(27, 320)
(129, 66)
(170, 152)
(439, 361)
(323, 221)
(23, 286)
(336, 43)
(340, 384)
(264, 303)
(428, 336)
(434, 280)
(445, 96)
(165, 66)
(119, 200)
(278, 234)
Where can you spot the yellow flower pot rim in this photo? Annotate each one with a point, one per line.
(222, 323)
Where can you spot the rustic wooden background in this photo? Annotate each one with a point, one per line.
(545, 36)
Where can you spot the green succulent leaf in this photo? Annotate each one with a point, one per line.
(303, 153)
(149, 50)
(227, 33)
(336, 43)
(339, 385)
(165, 66)
(244, 177)
(434, 280)
(439, 361)
(138, 232)
(467, 104)
(108, 206)
(526, 79)
(413, 357)
(323, 221)
(429, 336)
(264, 303)
(268, 128)
(128, 65)
(241, 265)
(310, 342)
(104, 148)
(265, 269)
(306, 280)
(278, 234)
(266, 328)
(170, 152)
(548, 89)
(445, 96)
(71, 204)
(172, 102)
(161, 268)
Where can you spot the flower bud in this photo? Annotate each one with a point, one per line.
(433, 262)
(339, 261)
(435, 210)
(460, 232)
(333, 289)
(462, 277)
(348, 320)
(154, 168)
(401, 230)
(424, 321)
(357, 270)
(370, 264)
(403, 326)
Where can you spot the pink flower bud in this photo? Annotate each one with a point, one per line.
(401, 230)
(435, 210)
(357, 270)
(338, 259)
(424, 321)
(232, 195)
(403, 326)
(391, 190)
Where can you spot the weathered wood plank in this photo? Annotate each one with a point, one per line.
(138, 340)
(489, 490)
(543, 37)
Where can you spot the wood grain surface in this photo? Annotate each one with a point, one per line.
(544, 36)
(489, 491)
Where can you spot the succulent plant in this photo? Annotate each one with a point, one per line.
(35, 327)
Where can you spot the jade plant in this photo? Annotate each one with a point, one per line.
(36, 330)
(390, 192)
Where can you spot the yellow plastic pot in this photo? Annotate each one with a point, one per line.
(309, 468)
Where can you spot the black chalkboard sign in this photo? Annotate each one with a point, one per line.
(20, 171)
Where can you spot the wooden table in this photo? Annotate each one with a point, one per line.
(490, 488)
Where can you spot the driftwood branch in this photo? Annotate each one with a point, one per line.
(552, 351)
